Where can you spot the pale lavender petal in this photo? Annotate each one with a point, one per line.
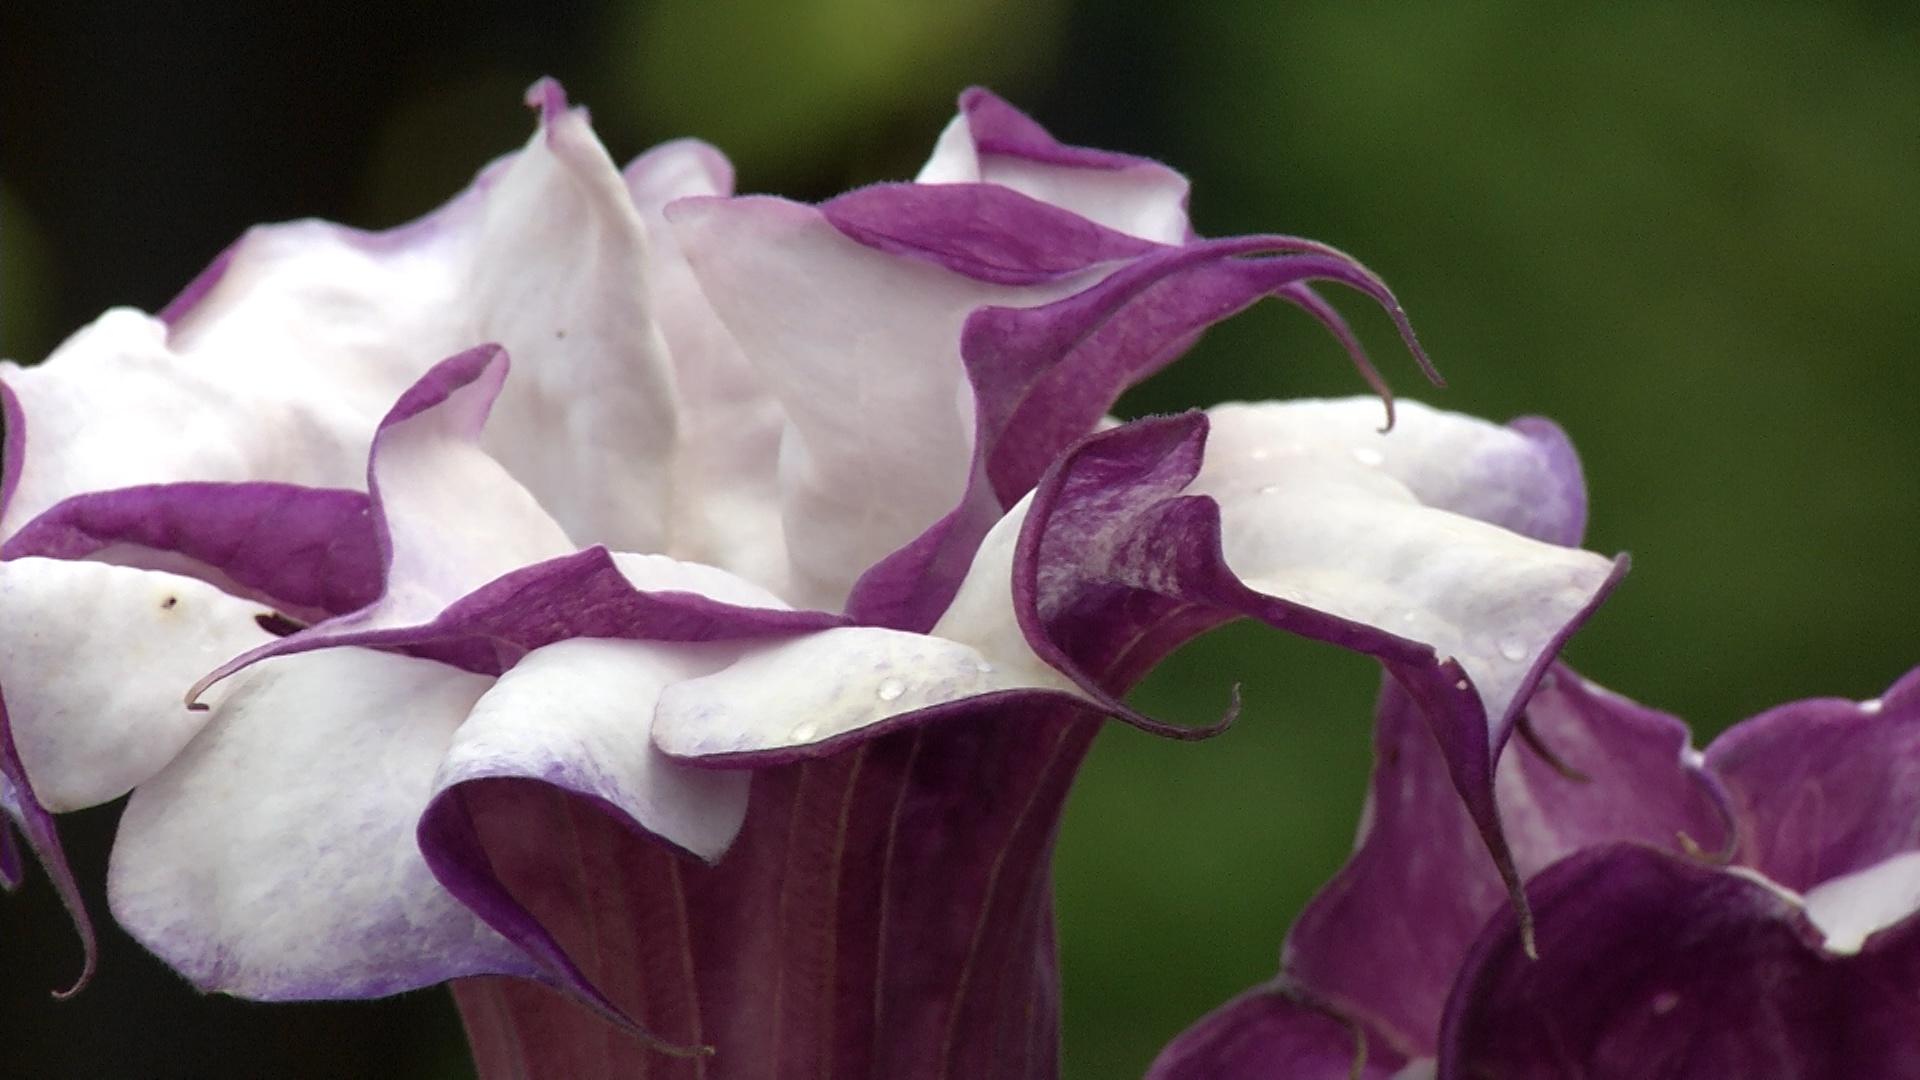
(1652, 965)
(1265, 1033)
(275, 858)
(862, 349)
(992, 142)
(726, 498)
(278, 363)
(1825, 787)
(308, 552)
(96, 666)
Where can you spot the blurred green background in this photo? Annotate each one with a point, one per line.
(1687, 232)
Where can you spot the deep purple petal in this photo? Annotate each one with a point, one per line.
(1652, 966)
(1384, 939)
(983, 231)
(310, 552)
(1825, 787)
(1266, 1033)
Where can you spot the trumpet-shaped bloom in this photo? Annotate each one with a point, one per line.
(1750, 912)
(700, 604)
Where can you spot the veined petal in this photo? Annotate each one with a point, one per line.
(992, 142)
(726, 500)
(1267, 1032)
(275, 857)
(1826, 787)
(279, 361)
(1652, 965)
(94, 665)
(862, 349)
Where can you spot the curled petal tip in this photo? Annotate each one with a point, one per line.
(547, 97)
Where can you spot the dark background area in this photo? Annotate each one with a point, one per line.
(1691, 233)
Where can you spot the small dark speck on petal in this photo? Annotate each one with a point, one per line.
(168, 603)
(277, 624)
(559, 333)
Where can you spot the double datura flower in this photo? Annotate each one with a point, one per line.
(676, 618)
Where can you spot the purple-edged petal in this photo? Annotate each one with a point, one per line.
(992, 142)
(278, 363)
(1826, 787)
(863, 351)
(726, 500)
(275, 858)
(308, 552)
(576, 715)
(1384, 940)
(1044, 376)
(1266, 1032)
(1655, 966)
(94, 664)
(820, 688)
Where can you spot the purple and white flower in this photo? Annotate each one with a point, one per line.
(1749, 912)
(700, 604)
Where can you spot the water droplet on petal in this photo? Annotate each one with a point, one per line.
(1261, 454)
(1367, 455)
(1461, 685)
(1513, 650)
(891, 689)
(1270, 489)
(983, 668)
(1665, 1002)
(804, 732)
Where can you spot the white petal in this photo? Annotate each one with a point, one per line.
(1852, 908)
(1316, 521)
(276, 859)
(726, 505)
(824, 685)
(862, 349)
(95, 665)
(577, 714)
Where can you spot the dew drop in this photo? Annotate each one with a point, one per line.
(983, 668)
(1261, 454)
(1367, 455)
(891, 689)
(1270, 489)
(804, 732)
(1665, 1002)
(1513, 650)
(1461, 685)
